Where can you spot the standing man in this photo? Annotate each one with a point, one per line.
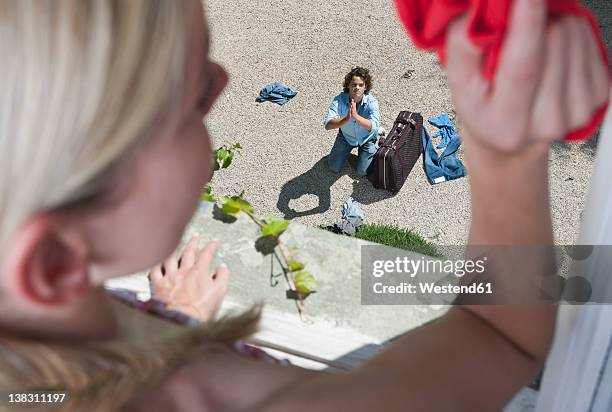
(355, 113)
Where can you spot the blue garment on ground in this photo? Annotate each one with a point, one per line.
(275, 92)
(352, 217)
(447, 129)
(445, 166)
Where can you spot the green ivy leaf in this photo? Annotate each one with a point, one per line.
(294, 265)
(305, 283)
(242, 203)
(230, 206)
(274, 226)
(221, 153)
(224, 155)
(234, 205)
(207, 196)
(228, 160)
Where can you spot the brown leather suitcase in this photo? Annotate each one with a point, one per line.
(396, 157)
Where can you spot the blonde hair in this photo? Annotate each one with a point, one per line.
(82, 84)
(104, 376)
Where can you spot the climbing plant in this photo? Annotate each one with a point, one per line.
(300, 282)
(222, 159)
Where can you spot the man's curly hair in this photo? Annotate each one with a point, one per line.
(361, 72)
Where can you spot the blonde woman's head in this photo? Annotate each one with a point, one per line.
(103, 152)
(103, 156)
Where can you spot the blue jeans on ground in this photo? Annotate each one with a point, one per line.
(341, 150)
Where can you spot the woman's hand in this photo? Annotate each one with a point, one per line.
(551, 78)
(186, 283)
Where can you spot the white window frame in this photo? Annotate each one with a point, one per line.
(578, 373)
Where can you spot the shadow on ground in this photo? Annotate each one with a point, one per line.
(318, 182)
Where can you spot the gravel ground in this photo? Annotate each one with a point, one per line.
(310, 47)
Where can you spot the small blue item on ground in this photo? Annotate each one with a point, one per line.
(447, 129)
(352, 217)
(275, 92)
(440, 168)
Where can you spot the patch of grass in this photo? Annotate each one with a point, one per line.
(396, 237)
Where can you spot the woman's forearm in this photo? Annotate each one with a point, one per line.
(456, 363)
(509, 196)
(511, 208)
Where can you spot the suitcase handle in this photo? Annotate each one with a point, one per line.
(390, 142)
(410, 120)
(402, 121)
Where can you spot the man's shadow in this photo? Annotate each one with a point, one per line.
(318, 182)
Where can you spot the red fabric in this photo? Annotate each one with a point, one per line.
(427, 21)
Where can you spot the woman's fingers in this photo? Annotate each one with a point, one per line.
(220, 288)
(599, 72)
(170, 265)
(521, 59)
(205, 257)
(592, 54)
(193, 285)
(579, 100)
(549, 117)
(189, 253)
(156, 276)
(464, 62)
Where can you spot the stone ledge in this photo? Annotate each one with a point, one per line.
(344, 333)
(333, 259)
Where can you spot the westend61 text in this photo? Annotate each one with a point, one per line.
(432, 288)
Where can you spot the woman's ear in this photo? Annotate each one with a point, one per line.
(46, 263)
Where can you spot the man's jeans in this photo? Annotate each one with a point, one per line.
(341, 150)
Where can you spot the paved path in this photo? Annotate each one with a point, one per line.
(310, 48)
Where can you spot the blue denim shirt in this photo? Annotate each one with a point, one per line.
(443, 167)
(353, 132)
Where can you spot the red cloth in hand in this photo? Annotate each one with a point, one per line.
(428, 20)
